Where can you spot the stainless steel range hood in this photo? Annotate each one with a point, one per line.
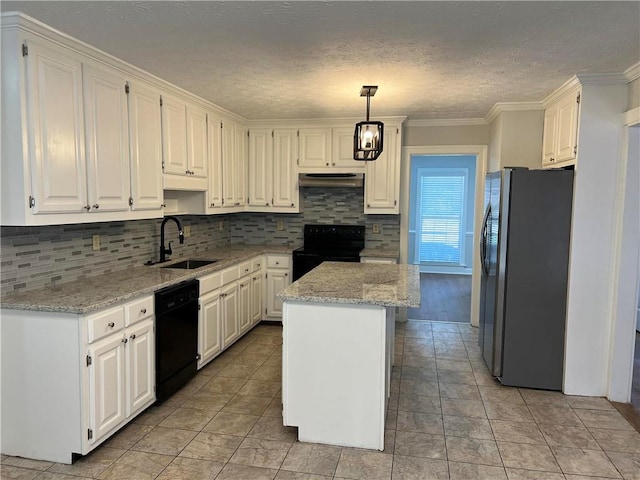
(331, 179)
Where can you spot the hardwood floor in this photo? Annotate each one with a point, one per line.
(445, 298)
(631, 411)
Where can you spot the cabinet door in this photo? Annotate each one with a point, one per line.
(342, 149)
(242, 157)
(567, 146)
(196, 142)
(256, 298)
(107, 139)
(382, 178)
(549, 135)
(54, 91)
(229, 298)
(285, 171)
(106, 385)
(145, 127)
(260, 166)
(140, 361)
(277, 280)
(315, 147)
(174, 135)
(214, 144)
(209, 327)
(244, 303)
(228, 164)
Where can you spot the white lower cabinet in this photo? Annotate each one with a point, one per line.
(229, 301)
(278, 277)
(91, 376)
(121, 371)
(209, 341)
(256, 297)
(244, 303)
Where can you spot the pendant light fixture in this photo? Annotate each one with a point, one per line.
(368, 136)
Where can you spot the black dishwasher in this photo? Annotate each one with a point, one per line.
(176, 337)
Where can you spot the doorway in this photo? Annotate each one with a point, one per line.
(441, 211)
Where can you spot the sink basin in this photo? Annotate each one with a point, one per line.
(190, 264)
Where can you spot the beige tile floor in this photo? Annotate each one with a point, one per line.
(448, 419)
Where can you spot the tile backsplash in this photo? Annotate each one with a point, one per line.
(32, 257)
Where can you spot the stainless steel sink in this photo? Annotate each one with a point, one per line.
(190, 264)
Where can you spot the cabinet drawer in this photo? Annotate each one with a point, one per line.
(139, 310)
(278, 261)
(256, 264)
(244, 268)
(229, 275)
(104, 323)
(210, 283)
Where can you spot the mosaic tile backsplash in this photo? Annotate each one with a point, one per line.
(31, 257)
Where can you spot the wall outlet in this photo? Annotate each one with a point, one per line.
(220, 225)
(376, 228)
(96, 242)
(279, 225)
(187, 231)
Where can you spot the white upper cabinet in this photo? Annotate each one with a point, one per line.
(560, 133)
(328, 150)
(314, 148)
(174, 135)
(260, 167)
(228, 164)
(107, 138)
(146, 147)
(197, 142)
(184, 144)
(214, 146)
(382, 176)
(56, 143)
(342, 148)
(241, 160)
(67, 149)
(273, 176)
(286, 194)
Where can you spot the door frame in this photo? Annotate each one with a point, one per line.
(480, 152)
(626, 264)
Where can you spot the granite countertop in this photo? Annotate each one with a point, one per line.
(358, 283)
(380, 252)
(94, 293)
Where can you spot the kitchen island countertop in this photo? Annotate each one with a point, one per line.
(386, 285)
(379, 253)
(94, 293)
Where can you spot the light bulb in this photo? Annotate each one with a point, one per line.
(367, 139)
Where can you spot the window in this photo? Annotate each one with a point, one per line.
(441, 215)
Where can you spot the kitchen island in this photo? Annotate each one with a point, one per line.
(337, 354)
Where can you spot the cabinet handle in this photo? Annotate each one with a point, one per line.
(162, 205)
(333, 164)
(124, 340)
(143, 311)
(277, 263)
(267, 204)
(246, 270)
(552, 159)
(132, 336)
(327, 164)
(87, 207)
(286, 274)
(212, 205)
(292, 205)
(256, 277)
(111, 324)
(96, 206)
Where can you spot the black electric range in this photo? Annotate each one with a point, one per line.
(327, 243)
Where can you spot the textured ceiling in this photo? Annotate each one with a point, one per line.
(309, 59)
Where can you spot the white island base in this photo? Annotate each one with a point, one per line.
(336, 372)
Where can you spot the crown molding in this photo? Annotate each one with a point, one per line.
(500, 107)
(633, 72)
(445, 122)
(320, 122)
(601, 78)
(570, 85)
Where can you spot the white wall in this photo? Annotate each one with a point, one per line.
(591, 272)
(515, 140)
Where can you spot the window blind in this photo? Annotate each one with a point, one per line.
(442, 198)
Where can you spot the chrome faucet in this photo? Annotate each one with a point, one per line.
(167, 251)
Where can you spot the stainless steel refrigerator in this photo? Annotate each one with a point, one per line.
(524, 250)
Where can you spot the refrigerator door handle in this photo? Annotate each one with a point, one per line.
(483, 241)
